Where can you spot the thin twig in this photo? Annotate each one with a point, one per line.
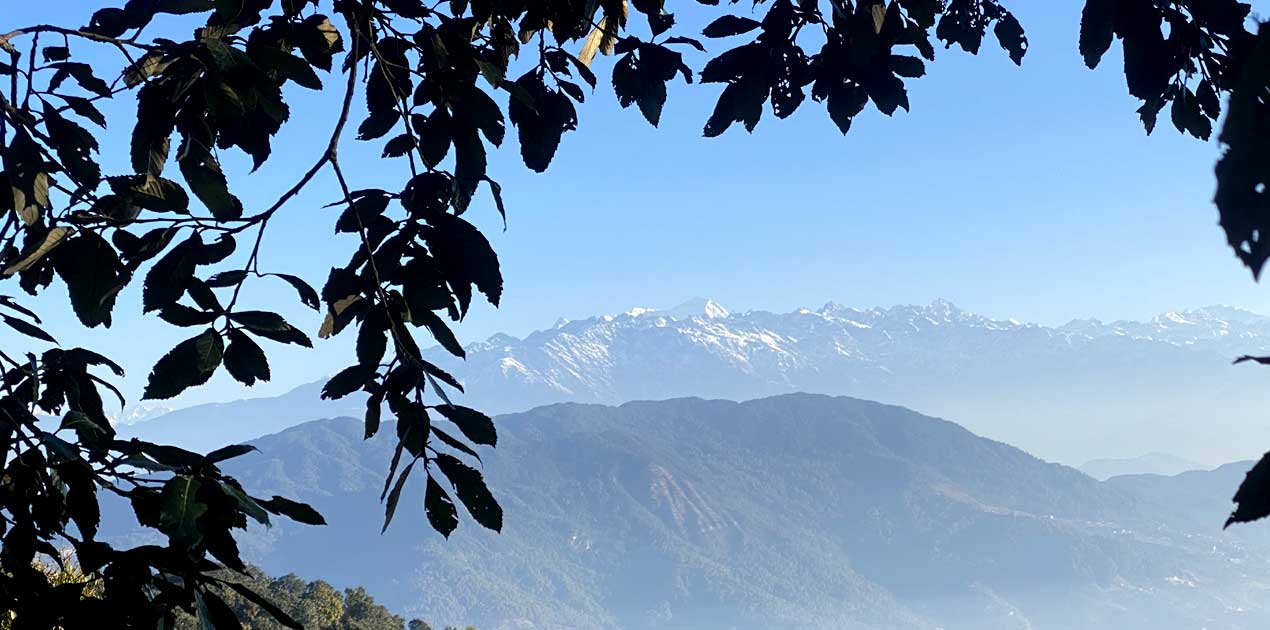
(49, 28)
(327, 156)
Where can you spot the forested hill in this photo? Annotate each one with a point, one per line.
(793, 511)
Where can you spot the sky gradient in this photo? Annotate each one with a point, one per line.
(1027, 192)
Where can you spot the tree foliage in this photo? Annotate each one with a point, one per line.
(441, 84)
(316, 605)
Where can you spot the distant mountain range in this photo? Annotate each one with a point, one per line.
(1084, 390)
(795, 511)
(1151, 463)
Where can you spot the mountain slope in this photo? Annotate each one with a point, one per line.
(210, 426)
(795, 510)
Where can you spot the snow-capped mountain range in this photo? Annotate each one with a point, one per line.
(1071, 393)
(1166, 376)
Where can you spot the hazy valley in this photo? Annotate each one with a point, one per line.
(795, 510)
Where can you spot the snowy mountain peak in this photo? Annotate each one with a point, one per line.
(139, 413)
(696, 307)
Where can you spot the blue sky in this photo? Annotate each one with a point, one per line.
(1026, 192)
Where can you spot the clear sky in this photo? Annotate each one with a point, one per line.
(1026, 192)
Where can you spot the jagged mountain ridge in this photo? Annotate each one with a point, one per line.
(583, 359)
(797, 510)
(1116, 389)
(1104, 381)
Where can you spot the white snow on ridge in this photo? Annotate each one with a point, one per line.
(701, 348)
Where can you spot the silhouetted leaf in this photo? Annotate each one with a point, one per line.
(216, 614)
(307, 294)
(83, 75)
(1253, 496)
(180, 510)
(372, 338)
(1097, 23)
(740, 102)
(454, 443)
(182, 315)
(90, 267)
(465, 258)
(442, 514)
(394, 496)
(271, 326)
(440, 331)
(244, 360)
(26, 328)
(347, 381)
(229, 452)
(906, 66)
(166, 281)
(319, 41)
(190, 363)
(729, 25)
(541, 117)
(475, 496)
(475, 425)
(85, 108)
(203, 174)
(1010, 35)
(156, 118)
(294, 510)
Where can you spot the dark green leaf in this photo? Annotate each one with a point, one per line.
(85, 108)
(156, 117)
(729, 25)
(473, 493)
(475, 425)
(319, 41)
(93, 275)
(83, 75)
(399, 146)
(307, 294)
(216, 613)
(227, 278)
(244, 360)
(434, 136)
(203, 174)
(347, 381)
(1097, 23)
(442, 513)
(27, 328)
(1010, 35)
(271, 326)
(390, 505)
(372, 338)
(181, 315)
(229, 452)
(906, 66)
(294, 510)
(465, 257)
(180, 510)
(167, 279)
(247, 504)
(190, 363)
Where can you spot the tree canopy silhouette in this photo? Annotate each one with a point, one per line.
(441, 83)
